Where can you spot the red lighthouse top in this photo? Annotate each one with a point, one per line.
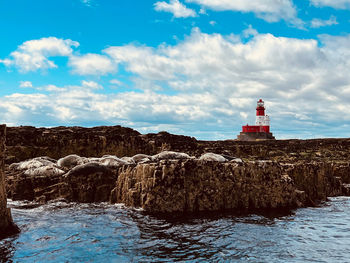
(260, 108)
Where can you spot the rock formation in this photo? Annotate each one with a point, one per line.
(194, 185)
(176, 182)
(171, 173)
(7, 226)
(26, 142)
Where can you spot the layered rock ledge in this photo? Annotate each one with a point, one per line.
(172, 182)
(7, 227)
(174, 173)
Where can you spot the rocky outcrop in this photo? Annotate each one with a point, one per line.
(26, 142)
(7, 226)
(87, 182)
(197, 185)
(29, 142)
(176, 182)
(317, 168)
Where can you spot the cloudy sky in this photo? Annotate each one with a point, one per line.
(193, 67)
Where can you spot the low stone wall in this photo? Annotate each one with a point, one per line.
(7, 226)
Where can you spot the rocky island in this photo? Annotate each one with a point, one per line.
(166, 173)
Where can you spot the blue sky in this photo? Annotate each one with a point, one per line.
(193, 67)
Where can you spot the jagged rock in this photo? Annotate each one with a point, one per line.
(212, 157)
(171, 181)
(191, 186)
(316, 179)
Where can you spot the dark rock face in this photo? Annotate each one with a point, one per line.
(28, 142)
(7, 227)
(91, 182)
(176, 182)
(194, 185)
(165, 173)
(86, 183)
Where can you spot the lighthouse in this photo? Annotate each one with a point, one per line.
(261, 129)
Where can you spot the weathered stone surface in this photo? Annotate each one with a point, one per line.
(318, 168)
(25, 142)
(91, 182)
(7, 226)
(317, 179)
(195, 185)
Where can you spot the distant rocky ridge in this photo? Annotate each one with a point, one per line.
(27, 142)
(171, 173)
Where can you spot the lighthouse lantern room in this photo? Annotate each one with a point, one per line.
(261, 129)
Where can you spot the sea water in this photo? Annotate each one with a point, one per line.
(70, 232)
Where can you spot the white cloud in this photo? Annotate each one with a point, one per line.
(115, 82)
(176, 8)
(25, 84)
(316, 23)
(91, 84)
(92, 64)
(34, 54)
(208, 87)
(285, 71)
(142, 60)
(338, 4)
(6, 62)
(269, 10)
(250, 31)
(51, 88)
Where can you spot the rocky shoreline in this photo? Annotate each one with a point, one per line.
(165, 173)
(7, 227)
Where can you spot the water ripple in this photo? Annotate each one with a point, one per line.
(70, 232)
